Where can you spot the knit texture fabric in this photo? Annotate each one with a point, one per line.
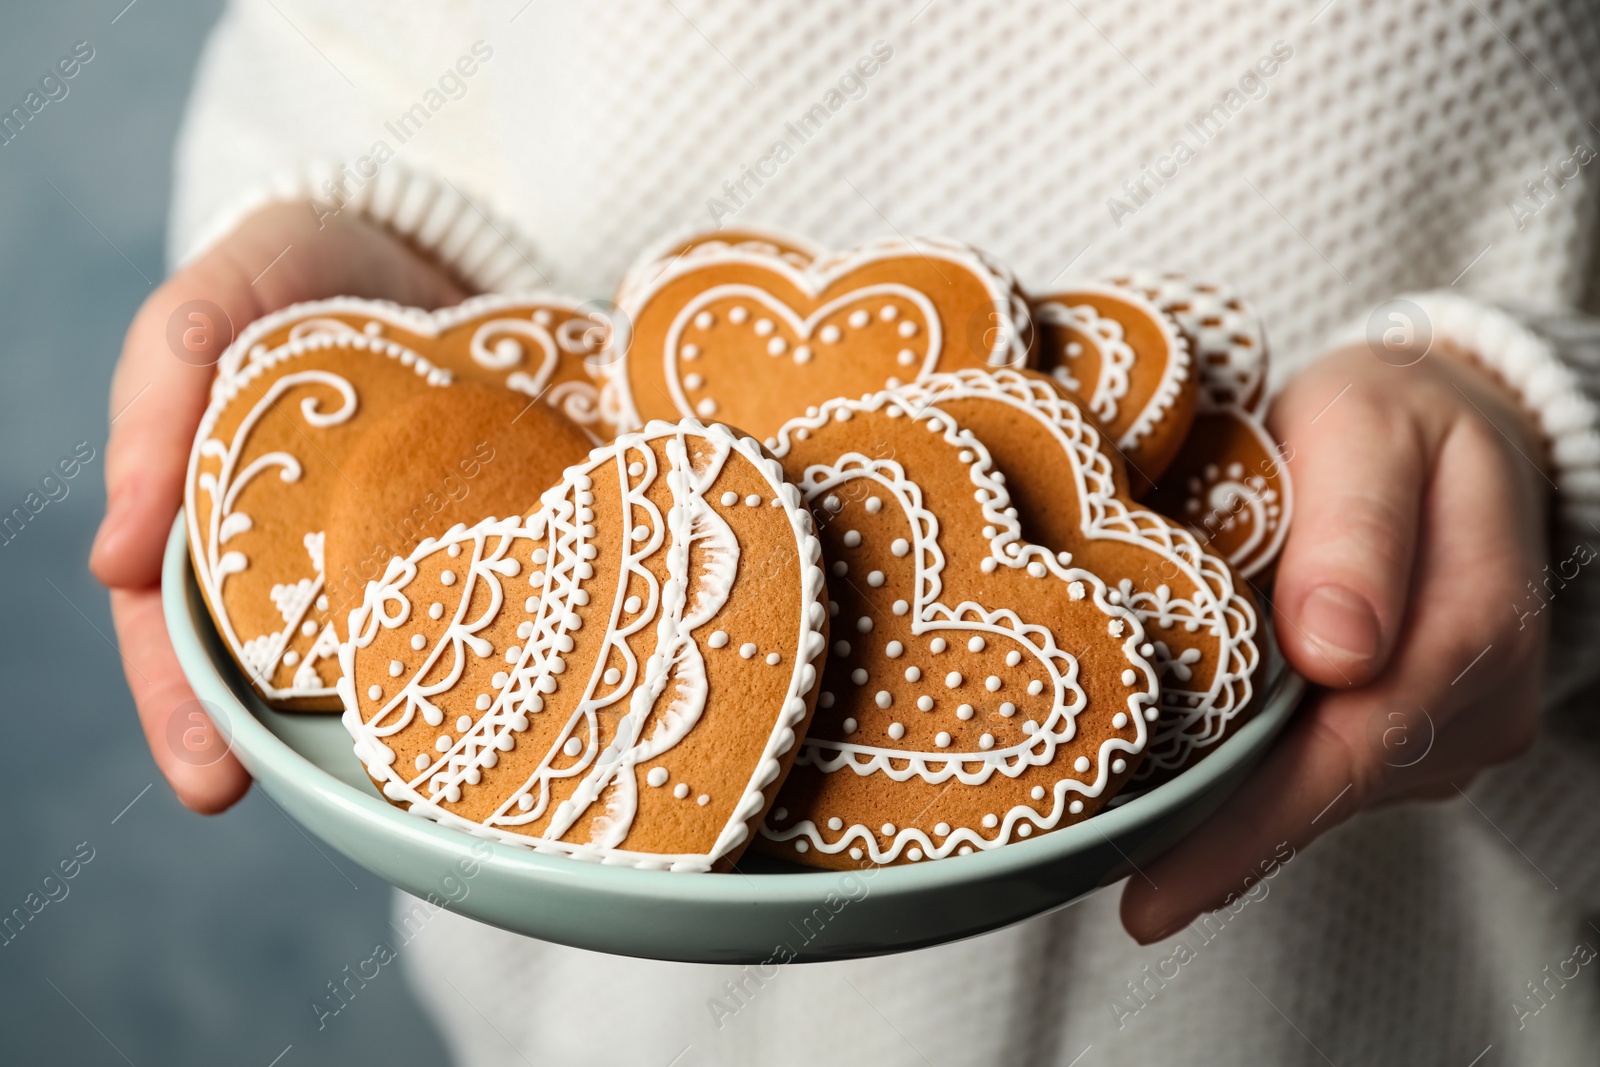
(1320, 156)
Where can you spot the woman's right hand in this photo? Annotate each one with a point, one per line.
(280, 255)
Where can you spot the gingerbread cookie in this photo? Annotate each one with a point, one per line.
(540, 345)
(980, 688)
(1127, 362)
(621, 676)
(752, 340)
(1232, 484)
(647, 267)
(1070, 497)
(265, 463)
(444, 457)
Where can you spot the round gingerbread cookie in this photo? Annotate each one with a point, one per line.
(648, 266)
(444, 457)
(540, 345)
(750, 339)
(1231, 486)
(265, 464)
(1070, 497)
(1128, 363)
(980, 688)
(1225, 335)
(621, 675)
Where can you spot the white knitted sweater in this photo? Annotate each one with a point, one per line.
(1335, 153)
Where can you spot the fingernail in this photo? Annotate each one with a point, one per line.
(1341, 621)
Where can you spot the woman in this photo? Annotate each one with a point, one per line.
(1323, 158)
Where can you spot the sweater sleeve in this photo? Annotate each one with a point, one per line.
(302, 104)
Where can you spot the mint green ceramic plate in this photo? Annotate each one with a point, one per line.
(768, 911)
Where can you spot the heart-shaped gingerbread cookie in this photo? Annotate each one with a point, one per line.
(750, 339)
(980, 688)
(620, 676)
(1128, 363)
(538, 344)
(1069, 495)
(797, 250)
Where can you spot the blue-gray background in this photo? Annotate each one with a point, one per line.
(185, 940)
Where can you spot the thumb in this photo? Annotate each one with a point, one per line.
(1359, 460)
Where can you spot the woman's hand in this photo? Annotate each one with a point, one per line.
(276, 257)
(1419, 522)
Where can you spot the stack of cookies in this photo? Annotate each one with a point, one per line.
(860, 558)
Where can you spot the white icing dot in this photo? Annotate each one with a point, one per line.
(908, 328)
(612, 676)
(748, 650)
(1008, 709)
(888, 829)
(965, 456)
(913, 674)
(964, 712)
(802, 354)
(942, 739)
(1147, 649)
(992, 683)
(1118, 766)
(1130, 676)
(737, 314)
(322, 602)
(901, 607)
(894, 649)
(884, 699)
(1076, 807)
(975, 645)
(888, 312)
(873, 505)
(704, 320)
(937, 645)
(718, 638)
(986, 742)
(840, 568)
(859, 676)
(830, 333)
(1081, 764)
(681, 790)
(635, 469)
(990, 822)
(692, 381)
(1035, 687)
(858, 318)
(953, 679)
(525, 801)
(483, 702)
(640, 533)
(825, 700)
(290, 658)
(896, 731)
(1076, 591)
(395, 668)
(463, 724)
(633, 604)
(925, 703)
(900, 546)
(849, 726)
(864, 624)
(1037, 569)
(856, 853)
(706, 408)
(703, 799)
(421, 762)
(308, 629)
(1025, 829)
(752, 501)
(442, 743)
(773, 659)
(852, 538)
(905, 357)
(1037, 792)
(836, 823)
(1013, 658)
(375, 692)
(447, 577)
(777, 346)
(763, 327)
(729, 499)
(1119, 720)
(657, 776)
(875, 579)
(454, 550)
(573, 746)
(841, 648)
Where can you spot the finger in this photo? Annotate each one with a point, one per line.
(1359, 464)
(191, 754)
(163, 378)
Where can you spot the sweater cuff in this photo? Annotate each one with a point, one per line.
(1532, 365)
(432, 215)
